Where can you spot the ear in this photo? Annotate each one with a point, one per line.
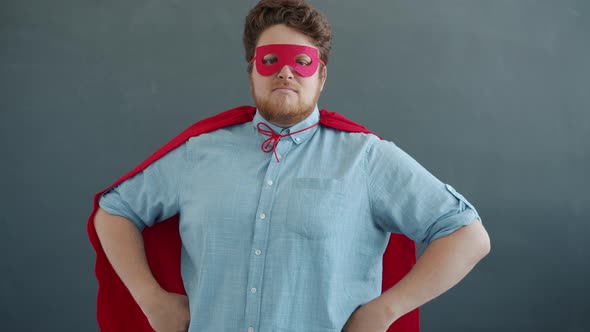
(323, 77)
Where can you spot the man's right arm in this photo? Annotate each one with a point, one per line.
(123, 245)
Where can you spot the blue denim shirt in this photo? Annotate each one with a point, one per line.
(288, 245)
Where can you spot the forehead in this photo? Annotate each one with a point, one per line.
(286, 50)
(282, 34)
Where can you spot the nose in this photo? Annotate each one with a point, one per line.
(286, 72)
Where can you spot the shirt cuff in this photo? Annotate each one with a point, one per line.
(449, 223)
(112, 203)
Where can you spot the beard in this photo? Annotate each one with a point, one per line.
(285, 110)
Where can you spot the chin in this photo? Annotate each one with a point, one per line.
(283, 113)
(284, 109)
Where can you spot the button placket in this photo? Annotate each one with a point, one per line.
(260, 238)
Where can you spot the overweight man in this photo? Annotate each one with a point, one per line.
(283, 212)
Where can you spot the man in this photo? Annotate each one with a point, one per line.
(284, 220)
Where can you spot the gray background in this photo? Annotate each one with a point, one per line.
(490, 96)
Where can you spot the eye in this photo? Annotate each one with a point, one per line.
(303, 59)
(270, 59)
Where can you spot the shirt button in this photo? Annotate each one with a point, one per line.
(269, 182)
(253, 290)
(262, 216)
(258, 252)
(297, 139)
(250, 329)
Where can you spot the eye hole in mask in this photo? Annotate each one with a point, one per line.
(300, 59)
(304, 60)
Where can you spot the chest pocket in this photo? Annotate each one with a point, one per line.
(315, 206)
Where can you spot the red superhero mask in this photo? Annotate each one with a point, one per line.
(304, 60)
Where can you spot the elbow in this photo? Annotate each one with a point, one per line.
(486, 246)
(482, 241)
(475, 242)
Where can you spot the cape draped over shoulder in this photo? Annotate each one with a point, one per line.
(117, 311)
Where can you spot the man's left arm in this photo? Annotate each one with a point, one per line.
(444, 262)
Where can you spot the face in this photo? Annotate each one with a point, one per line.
(286, 91)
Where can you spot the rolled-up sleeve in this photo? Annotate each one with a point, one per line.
(405, 198)
(151, 195)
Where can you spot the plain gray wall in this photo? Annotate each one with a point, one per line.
(490, 96)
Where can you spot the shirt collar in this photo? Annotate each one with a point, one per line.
(297, 138)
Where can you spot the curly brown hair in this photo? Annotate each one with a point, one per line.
(297, 15)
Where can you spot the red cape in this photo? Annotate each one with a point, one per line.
(116, 309)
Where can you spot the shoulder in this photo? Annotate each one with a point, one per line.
(224, 119)
(237, 115)
(352, 133)
(340, 122)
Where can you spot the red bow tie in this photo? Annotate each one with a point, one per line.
(270, 144)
